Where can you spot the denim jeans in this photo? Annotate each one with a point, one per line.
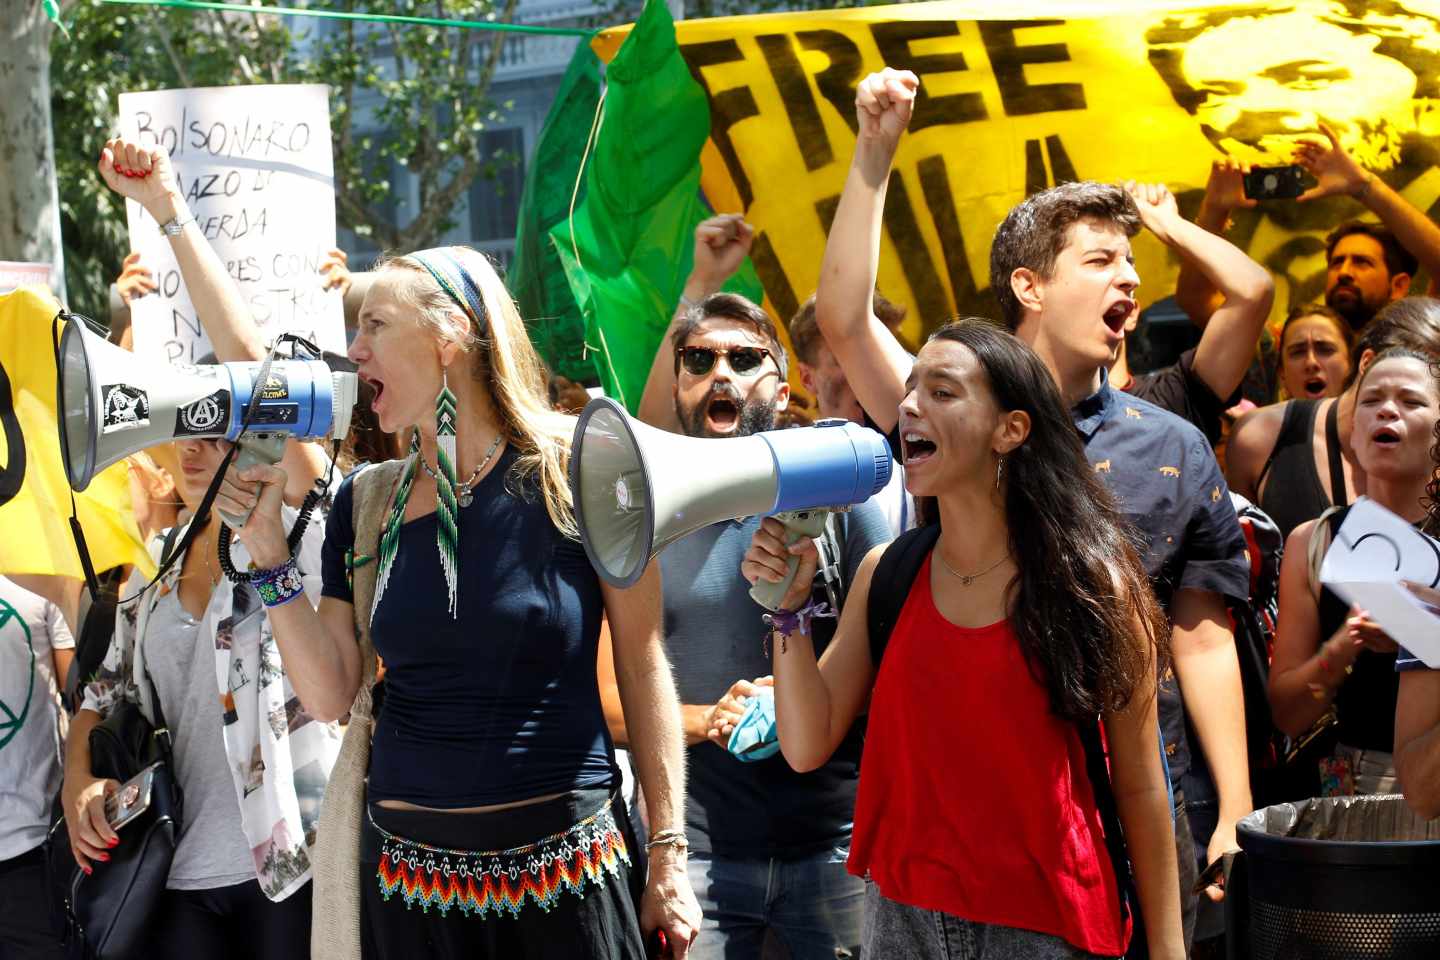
(1185, 859)
(813, 906)
(896, 930)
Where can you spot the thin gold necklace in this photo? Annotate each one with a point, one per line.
(968, 578)
(200, 543)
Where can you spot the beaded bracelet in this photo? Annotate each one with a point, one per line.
(797, 621)
(278, 585)
(669, 838)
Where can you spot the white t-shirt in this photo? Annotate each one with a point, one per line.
(32, 726)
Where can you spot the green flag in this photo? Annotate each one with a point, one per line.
(633, 239)
(536, 277)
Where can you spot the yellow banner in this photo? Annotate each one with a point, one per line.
(1076, 90)
(34, 494)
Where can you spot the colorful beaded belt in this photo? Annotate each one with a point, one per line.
(481, 881)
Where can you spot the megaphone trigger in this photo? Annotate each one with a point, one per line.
(799, 525)
(264, 448)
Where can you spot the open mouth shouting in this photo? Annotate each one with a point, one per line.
(1116, 315)
(378, 386)
(1387, 438)
(722, 414)
(1315, 387)
(917, 447)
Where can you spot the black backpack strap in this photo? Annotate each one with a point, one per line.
(1098, 769)
(894, 575)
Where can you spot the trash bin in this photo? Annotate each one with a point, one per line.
(1348, 878)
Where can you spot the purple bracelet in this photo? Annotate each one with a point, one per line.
(278, 585)
(798, 621)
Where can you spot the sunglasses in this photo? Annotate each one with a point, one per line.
(698, 361)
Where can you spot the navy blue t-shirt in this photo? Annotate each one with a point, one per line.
(1166, 482)
(500, 703)
(714, 634)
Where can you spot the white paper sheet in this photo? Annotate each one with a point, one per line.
(1372, 553)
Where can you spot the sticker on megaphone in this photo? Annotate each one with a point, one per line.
(113, 403)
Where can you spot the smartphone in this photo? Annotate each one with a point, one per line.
(132, 799)
(657, 945)
(1274, 183)
(1215, 873)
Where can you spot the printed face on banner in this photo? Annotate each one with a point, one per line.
(255, 167)
(1259, 81)
(1009, 107)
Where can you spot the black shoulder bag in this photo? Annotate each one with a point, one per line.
(107, 912)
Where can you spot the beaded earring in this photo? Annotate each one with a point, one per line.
(447, 509)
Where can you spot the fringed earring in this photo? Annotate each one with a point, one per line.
(447, 507)
(999, 471)
(390, 536)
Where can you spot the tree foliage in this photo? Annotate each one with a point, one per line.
(407, 96)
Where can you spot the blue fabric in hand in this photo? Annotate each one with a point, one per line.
(755, 736)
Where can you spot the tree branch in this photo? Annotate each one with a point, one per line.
(220, 35)
(162, 33)
(497, 45)
(421, 232)
(359, 214)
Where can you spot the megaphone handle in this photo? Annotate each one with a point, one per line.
(768, 594)
(266, 448)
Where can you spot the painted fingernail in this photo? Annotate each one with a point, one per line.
(87, 870)
(114, 841)
(105, 857)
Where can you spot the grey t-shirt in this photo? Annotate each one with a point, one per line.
(715, 636)
(32, 726)
(212, 851)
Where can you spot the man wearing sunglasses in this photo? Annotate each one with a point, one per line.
(767, 845)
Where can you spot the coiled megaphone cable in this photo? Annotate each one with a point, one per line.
(293, 538)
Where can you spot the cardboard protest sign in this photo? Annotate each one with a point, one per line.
(255, 166)
(1087, 89)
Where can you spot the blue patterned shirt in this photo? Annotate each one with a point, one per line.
(1164, 477)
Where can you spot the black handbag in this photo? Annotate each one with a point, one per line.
(106, 913)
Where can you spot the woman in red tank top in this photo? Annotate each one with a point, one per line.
(1030, 620)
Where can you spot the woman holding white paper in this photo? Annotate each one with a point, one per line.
(1330, 658)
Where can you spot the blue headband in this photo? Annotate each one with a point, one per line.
(457, 283)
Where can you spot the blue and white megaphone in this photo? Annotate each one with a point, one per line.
(113, 403)
(638, 489)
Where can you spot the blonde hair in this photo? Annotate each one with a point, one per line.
(502, 358)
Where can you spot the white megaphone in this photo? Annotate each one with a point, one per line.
(637, 489)
(113, 403)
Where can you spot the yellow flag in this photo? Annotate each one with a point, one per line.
(1016, 97)
(34, 494)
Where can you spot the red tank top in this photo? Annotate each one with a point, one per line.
(973, 796)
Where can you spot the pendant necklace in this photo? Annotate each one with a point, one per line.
(964, 578)
(464, 492)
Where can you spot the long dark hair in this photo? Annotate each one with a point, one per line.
(1080, 589)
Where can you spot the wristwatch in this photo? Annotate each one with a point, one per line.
(176, 224)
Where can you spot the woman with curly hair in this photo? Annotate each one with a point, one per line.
(1329, 656)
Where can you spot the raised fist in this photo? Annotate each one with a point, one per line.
(138, 173)
(883, 104)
